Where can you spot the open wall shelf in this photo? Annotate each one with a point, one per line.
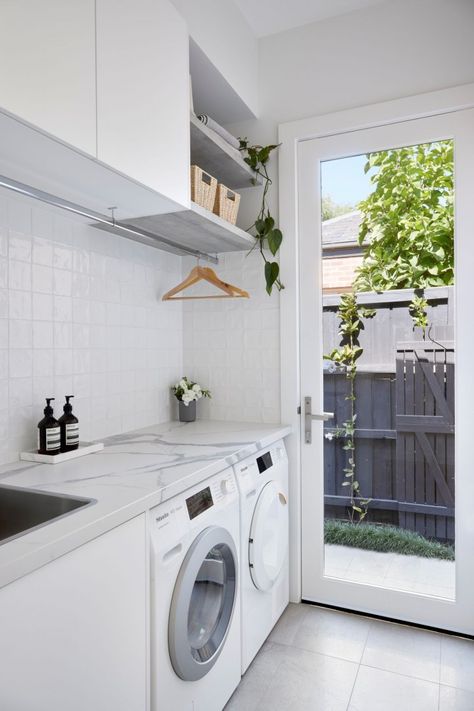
(198, 229)
(215, 156)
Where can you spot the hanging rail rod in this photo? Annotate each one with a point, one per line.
(149, 238)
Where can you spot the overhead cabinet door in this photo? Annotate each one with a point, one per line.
(47, 67)
(143, 93)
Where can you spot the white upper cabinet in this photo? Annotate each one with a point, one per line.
(47, 66)
(143, 93)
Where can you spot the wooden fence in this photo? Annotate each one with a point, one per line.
(405, 422)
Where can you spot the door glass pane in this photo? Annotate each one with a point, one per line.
(388, 332)
(214, 584)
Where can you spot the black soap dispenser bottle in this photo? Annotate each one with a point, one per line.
(69, 425)
(49, 434)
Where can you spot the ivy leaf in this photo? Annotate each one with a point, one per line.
(271, 274)
(260, 226)
(269, 224)
(274, 238)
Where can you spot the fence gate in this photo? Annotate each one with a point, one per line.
(425, 437)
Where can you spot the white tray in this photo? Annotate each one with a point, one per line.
(84, 448)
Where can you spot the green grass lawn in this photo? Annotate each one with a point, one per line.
(385, 539)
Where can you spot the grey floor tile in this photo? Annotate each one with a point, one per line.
(287, 678)
(457, 662)
(333, 633)
(403, 650)
(451, 699)
(379, 690)
(287, 626)
(256, 681)
(304, 681)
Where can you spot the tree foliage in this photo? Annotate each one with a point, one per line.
(408, 219)
(330, 209)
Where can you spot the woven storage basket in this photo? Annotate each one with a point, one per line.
(226, 204)
(203, 188)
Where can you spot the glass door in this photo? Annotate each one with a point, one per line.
(385, 219)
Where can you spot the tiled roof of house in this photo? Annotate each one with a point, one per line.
(342, 230)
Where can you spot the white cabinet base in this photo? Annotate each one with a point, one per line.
(73, 634)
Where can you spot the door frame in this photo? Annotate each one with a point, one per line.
(290, 135)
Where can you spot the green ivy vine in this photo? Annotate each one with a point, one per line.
(264, 229)
(351, 316)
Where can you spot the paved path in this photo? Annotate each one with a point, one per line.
(430, 576)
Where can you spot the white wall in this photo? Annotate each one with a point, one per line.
(80, 314)
(384, 52)
(231, 346)
(389, 51)
(221, 31)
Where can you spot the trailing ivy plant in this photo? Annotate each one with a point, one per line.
(264, 229)
(351, 316)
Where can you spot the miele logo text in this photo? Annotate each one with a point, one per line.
(162, 517)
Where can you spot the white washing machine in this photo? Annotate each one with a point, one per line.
(263, 484)
(195, 635)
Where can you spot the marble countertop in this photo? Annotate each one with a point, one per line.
(134, 472)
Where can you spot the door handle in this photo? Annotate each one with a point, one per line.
(309, 417)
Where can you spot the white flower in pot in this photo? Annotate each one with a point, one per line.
(187, 393)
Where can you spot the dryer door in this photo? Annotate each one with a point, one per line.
(203, 603)
(268, 541)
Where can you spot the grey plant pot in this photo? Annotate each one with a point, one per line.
(187, 413)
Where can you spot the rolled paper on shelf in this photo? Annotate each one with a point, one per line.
(214, 126)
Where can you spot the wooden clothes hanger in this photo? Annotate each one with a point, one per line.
(205, 274)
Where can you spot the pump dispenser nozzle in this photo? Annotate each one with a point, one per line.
(48, 410)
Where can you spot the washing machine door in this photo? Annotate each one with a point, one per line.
(268, 539)
(203, 603)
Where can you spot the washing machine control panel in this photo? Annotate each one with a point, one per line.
(192, 506)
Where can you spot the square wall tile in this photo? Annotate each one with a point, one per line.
(20, 363)
(42, 251)
(62, 282)
(19, 275)
(19, 304)
(21, 334)
(62, 308)
(42, 307)
(20, 246)
(3, 303)
(42, 278)
(62, 256)
(3, 273)
(43, 363)
(43, 334)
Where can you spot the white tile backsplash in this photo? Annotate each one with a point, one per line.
(80, 313)
(232, 346)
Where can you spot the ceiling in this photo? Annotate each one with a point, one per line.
(267, 17)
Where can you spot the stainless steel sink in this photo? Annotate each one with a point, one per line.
(22, 510)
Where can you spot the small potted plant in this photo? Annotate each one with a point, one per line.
(188, 393)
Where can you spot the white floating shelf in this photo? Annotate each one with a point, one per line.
(83, 449)
(215, 156)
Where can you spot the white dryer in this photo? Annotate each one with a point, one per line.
(195, 603)
(263, 484)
